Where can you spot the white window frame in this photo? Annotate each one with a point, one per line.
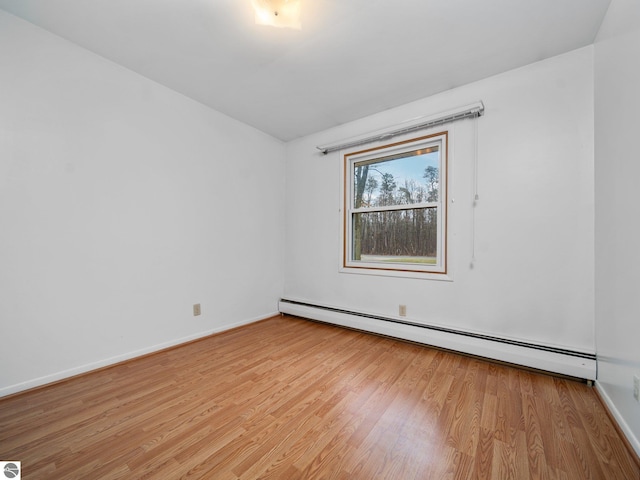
(438, 271)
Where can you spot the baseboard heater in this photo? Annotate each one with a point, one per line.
(579, 364)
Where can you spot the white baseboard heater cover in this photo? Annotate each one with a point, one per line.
(573, 363)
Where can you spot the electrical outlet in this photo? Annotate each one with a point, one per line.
(402, 310)
(196, 309)
(636, 388)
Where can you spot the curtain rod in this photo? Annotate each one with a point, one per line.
(475, 110)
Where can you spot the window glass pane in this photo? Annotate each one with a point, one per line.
(400, 179)
(397, 236)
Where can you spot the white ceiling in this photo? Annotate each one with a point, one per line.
(352, 58)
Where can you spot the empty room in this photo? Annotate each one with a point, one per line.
(298, 239)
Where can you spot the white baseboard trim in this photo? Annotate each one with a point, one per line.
(628, 433)
(577, 364)
(54, 377)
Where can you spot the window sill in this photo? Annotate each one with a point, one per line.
(397, 273)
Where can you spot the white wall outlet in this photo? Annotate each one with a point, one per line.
(196, 309)
(636, 388)
(402, 310)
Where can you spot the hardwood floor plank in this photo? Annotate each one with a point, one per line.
(537, 459)
(288, 399)
(484, 455)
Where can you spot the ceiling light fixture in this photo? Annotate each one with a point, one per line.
(278, 13)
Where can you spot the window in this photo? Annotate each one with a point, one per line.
(395, 198)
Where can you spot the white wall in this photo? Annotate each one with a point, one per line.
(533, 276)
(122, 203)
(617, 106)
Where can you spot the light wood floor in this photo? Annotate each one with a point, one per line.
(291, 399)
